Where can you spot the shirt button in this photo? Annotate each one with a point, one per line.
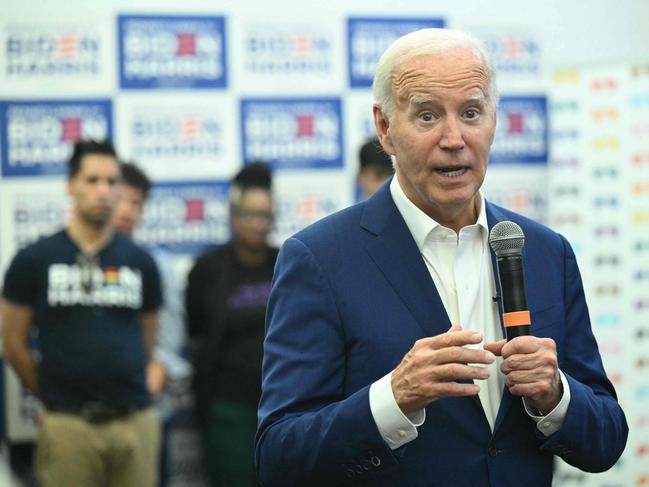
(545, 426)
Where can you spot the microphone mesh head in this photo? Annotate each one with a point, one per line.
(506, 238)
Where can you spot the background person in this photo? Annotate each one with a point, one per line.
(375, 167)
(93, 296)
(227, 293)
(167, 366)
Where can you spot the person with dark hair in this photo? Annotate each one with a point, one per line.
(85, 147)
(227, 293)
(375, 167)
(92, 296)
(167, 366)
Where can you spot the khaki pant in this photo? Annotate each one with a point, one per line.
(71, 452)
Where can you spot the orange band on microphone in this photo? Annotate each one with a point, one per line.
(517, 318)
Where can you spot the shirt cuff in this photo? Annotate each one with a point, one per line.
(395, 427)
(551, 422)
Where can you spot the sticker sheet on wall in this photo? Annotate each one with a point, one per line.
(597, 198)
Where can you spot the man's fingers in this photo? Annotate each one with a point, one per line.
(528, 362)
(495, 347)
(526, 345)
(462, 355)
(452, 338)
(452, 372)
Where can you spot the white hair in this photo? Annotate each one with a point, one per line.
(421, 43)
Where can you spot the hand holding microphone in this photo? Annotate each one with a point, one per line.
(530, 363)
(507, 240)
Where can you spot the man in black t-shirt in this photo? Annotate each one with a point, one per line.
(93, 296)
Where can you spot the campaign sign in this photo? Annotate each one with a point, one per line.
(185, 217)
(31, 208)
(293, 133)
(44, 52)
(368, 38)
(275, 49)
(37, 137)
(303, 197)
(521, 131)
(514, 53)
(185, 138)
(172, 52)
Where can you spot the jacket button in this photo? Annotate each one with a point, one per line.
(493, 451)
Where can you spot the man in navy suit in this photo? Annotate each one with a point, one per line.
(385, 363)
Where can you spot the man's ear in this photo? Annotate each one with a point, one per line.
(382, 125)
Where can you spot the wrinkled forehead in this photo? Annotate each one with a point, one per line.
(463, 70)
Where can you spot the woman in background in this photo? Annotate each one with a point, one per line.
(226, 299)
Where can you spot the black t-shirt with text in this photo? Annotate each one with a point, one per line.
(88, 314)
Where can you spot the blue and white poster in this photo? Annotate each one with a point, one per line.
(521, 131)
(187, 137)
(185, 217)
(172, 52)
(369, 37)
(293, 133)
(37, 137)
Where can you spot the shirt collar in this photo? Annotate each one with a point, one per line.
(419, 223)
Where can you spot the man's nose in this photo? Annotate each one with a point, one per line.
(105, 187)
(452, 138)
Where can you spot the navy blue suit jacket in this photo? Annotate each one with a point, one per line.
(351, 295)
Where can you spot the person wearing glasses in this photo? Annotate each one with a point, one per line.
(227, 293)
(92, 296)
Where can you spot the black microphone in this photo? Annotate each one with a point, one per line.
(507, 240)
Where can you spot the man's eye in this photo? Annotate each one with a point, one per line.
(426, 116)
(471, 113)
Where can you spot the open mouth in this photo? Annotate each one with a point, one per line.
(452, 172)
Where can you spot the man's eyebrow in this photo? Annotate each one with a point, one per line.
(419, 100)
(477, 98)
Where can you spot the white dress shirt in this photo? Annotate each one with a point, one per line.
(462, 271)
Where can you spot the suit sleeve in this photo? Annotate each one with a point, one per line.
(594, 432)
(311, 432)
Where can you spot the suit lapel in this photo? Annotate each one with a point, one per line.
(394, 251)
